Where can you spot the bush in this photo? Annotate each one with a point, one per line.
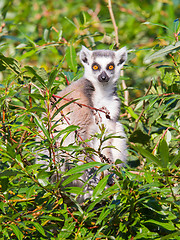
(144, 201)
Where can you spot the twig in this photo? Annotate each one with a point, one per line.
(67, 81)
(84, 105)
(175, 63)
(114, 23)
(160, 139)
(144, 103)
(101, 156)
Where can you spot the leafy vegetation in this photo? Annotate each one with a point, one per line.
(39, 41)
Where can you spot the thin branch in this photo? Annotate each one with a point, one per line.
(84, 105)
(113, 22)
(175, 63)
(126, 93)
(160, 139)
(101, 156)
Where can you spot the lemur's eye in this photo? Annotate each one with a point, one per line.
(111, 67)
(95, 67)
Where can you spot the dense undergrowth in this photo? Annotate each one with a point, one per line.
(39, 57)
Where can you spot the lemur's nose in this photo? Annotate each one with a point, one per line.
(103, 77)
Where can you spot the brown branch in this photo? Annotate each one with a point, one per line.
(126, 93)
(166, 94)
(84, 105)
(101, 156)
(113, 22)
(160, 139)
(175, 63)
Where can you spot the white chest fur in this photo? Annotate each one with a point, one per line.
(104, 98)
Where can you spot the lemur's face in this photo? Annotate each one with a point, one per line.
(103, 65)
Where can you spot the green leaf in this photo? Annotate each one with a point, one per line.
(132, 113)
(163, 51)
(76, 190)
(5, 7)
(156, 24)
(40, 124)
(172, 236)
(148, 155)
(27, 54)
(175, 25)
(83, 167)
(34, 72)
(139, 137)
(175, 159)
(4, 182)
(71, 148)
(99, 199)
(71, 178)
(66, 230)
(52, 77)
(100, 187)
(71, 58)
(16, 231)
(103, 215)
(68, 129)
(9, 173)
(38, 227)
(164, 153)
(51, 218)
(167, 225)
(9, 63)
(62, 107)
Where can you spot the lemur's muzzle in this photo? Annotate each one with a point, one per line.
(103, 77)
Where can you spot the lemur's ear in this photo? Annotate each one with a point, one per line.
(121, 56)
(84, 55)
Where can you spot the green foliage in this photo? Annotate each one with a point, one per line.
(39, 42)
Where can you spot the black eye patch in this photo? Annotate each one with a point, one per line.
(110, 66)
(96, 66)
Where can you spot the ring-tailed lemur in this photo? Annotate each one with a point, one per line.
(95, 90)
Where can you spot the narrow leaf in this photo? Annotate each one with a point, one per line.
(52, 77)
(16, 231)
(68, 129)
(71, 178)
(71, 58)
(148, 155)
(83, 167)
(40, 124)
(39, 78)
(164, 153)
(156, 24)
(175, 159)
(9, 63)
(9, 173)
(61, 108)
(163, 51)
(100, 187)
(67, 230)
(167, 225)
(38, 228)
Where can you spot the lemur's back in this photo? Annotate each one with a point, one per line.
(77, 114)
